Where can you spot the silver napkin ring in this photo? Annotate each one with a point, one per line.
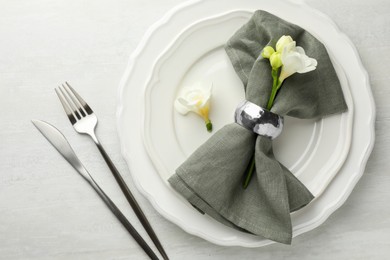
(258, 119)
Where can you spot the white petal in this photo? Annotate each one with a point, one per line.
(306, 69)
(192, 98)
(300, 50)
(307, 61)
(206, 95)
(313, 62)
(180, 107)
(285, 74)
(205, 102)
(293, 62)
(310, 65)
(207, 88)
(288, 49)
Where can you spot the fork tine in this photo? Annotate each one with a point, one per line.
(66, 107)
(80, 99)
(74, 100)
(70, 103)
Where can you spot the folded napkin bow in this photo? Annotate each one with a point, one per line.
(211, 178)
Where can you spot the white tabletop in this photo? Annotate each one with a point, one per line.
(48, 212)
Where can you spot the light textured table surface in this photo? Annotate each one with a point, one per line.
(47, 212)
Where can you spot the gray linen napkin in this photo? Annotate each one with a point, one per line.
(211, 178)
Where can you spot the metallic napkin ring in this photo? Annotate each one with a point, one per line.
(258, 120)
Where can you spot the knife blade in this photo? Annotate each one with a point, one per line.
(58, 140)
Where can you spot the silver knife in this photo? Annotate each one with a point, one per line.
(58, 140)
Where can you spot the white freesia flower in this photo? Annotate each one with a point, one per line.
(290, 58)
(295, 60)
(195, 99)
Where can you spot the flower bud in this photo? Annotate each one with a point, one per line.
(267, 52)
(276, 60)
(282, 42)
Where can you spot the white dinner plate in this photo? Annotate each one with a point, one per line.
(185, 47)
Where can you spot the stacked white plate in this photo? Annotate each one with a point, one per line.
(186, 47)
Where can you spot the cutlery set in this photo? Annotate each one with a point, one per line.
(84, 121)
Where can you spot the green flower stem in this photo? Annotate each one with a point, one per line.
(249, 174)
(275, 87)
(276, 84)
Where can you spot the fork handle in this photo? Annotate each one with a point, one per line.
(133, 203)
(122, 219)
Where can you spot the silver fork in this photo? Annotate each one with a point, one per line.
(84, 121)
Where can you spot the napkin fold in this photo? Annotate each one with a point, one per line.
(211, 178)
